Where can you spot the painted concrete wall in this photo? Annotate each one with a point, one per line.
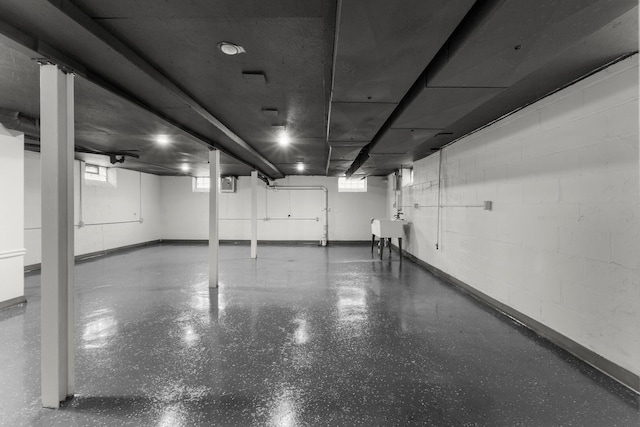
(562, 244)
(11, 215)
(111, 214)
(290, 214)
(171, 210)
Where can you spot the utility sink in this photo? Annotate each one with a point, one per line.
(387, 228)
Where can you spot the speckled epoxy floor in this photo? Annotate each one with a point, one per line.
(302, 336)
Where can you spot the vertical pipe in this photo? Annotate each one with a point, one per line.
(439, 198)
(326, 217)
(399, 200)
(80, 194)
(254, 214)
(214, 242)
(57, 355)
(140, 212)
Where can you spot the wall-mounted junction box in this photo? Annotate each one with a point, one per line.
(227, 184)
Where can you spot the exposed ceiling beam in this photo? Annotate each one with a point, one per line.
(472, 19)
(333, 75)
(34, 48)
(82, 19)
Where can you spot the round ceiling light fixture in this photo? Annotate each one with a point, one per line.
(162, 139)
(283, 138)
(300, 166)
(185, 167)
(230, 48)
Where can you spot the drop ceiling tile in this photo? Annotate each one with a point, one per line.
(357, 121)
(383, 46)
(348, 143)
(514, 39)
(437, 108)
(312, 151)
(389, 161)
(400, 141)
(338, 167)
(310, 169)
(345, 153)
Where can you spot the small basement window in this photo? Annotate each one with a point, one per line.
(95, 173)
(201, 184)
(352, 185)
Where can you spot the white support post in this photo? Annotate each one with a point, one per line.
(214, 191)
(71, 261)
(254, 214)
(57, 278)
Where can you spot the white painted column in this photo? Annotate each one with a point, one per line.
(57, 278)
(71, 261)
(11, 218)
(214, 241)
(254, 214)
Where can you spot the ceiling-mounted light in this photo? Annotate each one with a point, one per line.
(283, 138)
(162, 139)
(185, 167)
(300, 166)
(230, 48)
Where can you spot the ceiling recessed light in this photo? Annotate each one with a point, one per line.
(230, 48)
(283, 138)
(185, 167)
(162, 139)
(300, 166)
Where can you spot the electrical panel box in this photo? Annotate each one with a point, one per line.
(227, 184)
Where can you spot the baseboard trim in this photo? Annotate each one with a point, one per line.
(618, 373)
(240, 242)
(266, 242)
(90, 256)
(11, 302)
(349, 242)
(184, 242)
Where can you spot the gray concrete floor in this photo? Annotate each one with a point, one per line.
(302, 336)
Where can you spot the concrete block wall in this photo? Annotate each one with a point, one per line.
(171, 210)
(562, 244)
(185, 213)
(109, 212)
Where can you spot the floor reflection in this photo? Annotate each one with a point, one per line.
(301, 336)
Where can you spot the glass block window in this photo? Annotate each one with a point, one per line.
(95, 173)
(353, 185)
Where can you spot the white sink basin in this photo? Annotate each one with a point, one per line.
(387, 228)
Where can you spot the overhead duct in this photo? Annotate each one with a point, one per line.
(20, 122)
(470, 23)
(493, 63)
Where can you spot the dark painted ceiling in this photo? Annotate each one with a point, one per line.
(362, 86)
